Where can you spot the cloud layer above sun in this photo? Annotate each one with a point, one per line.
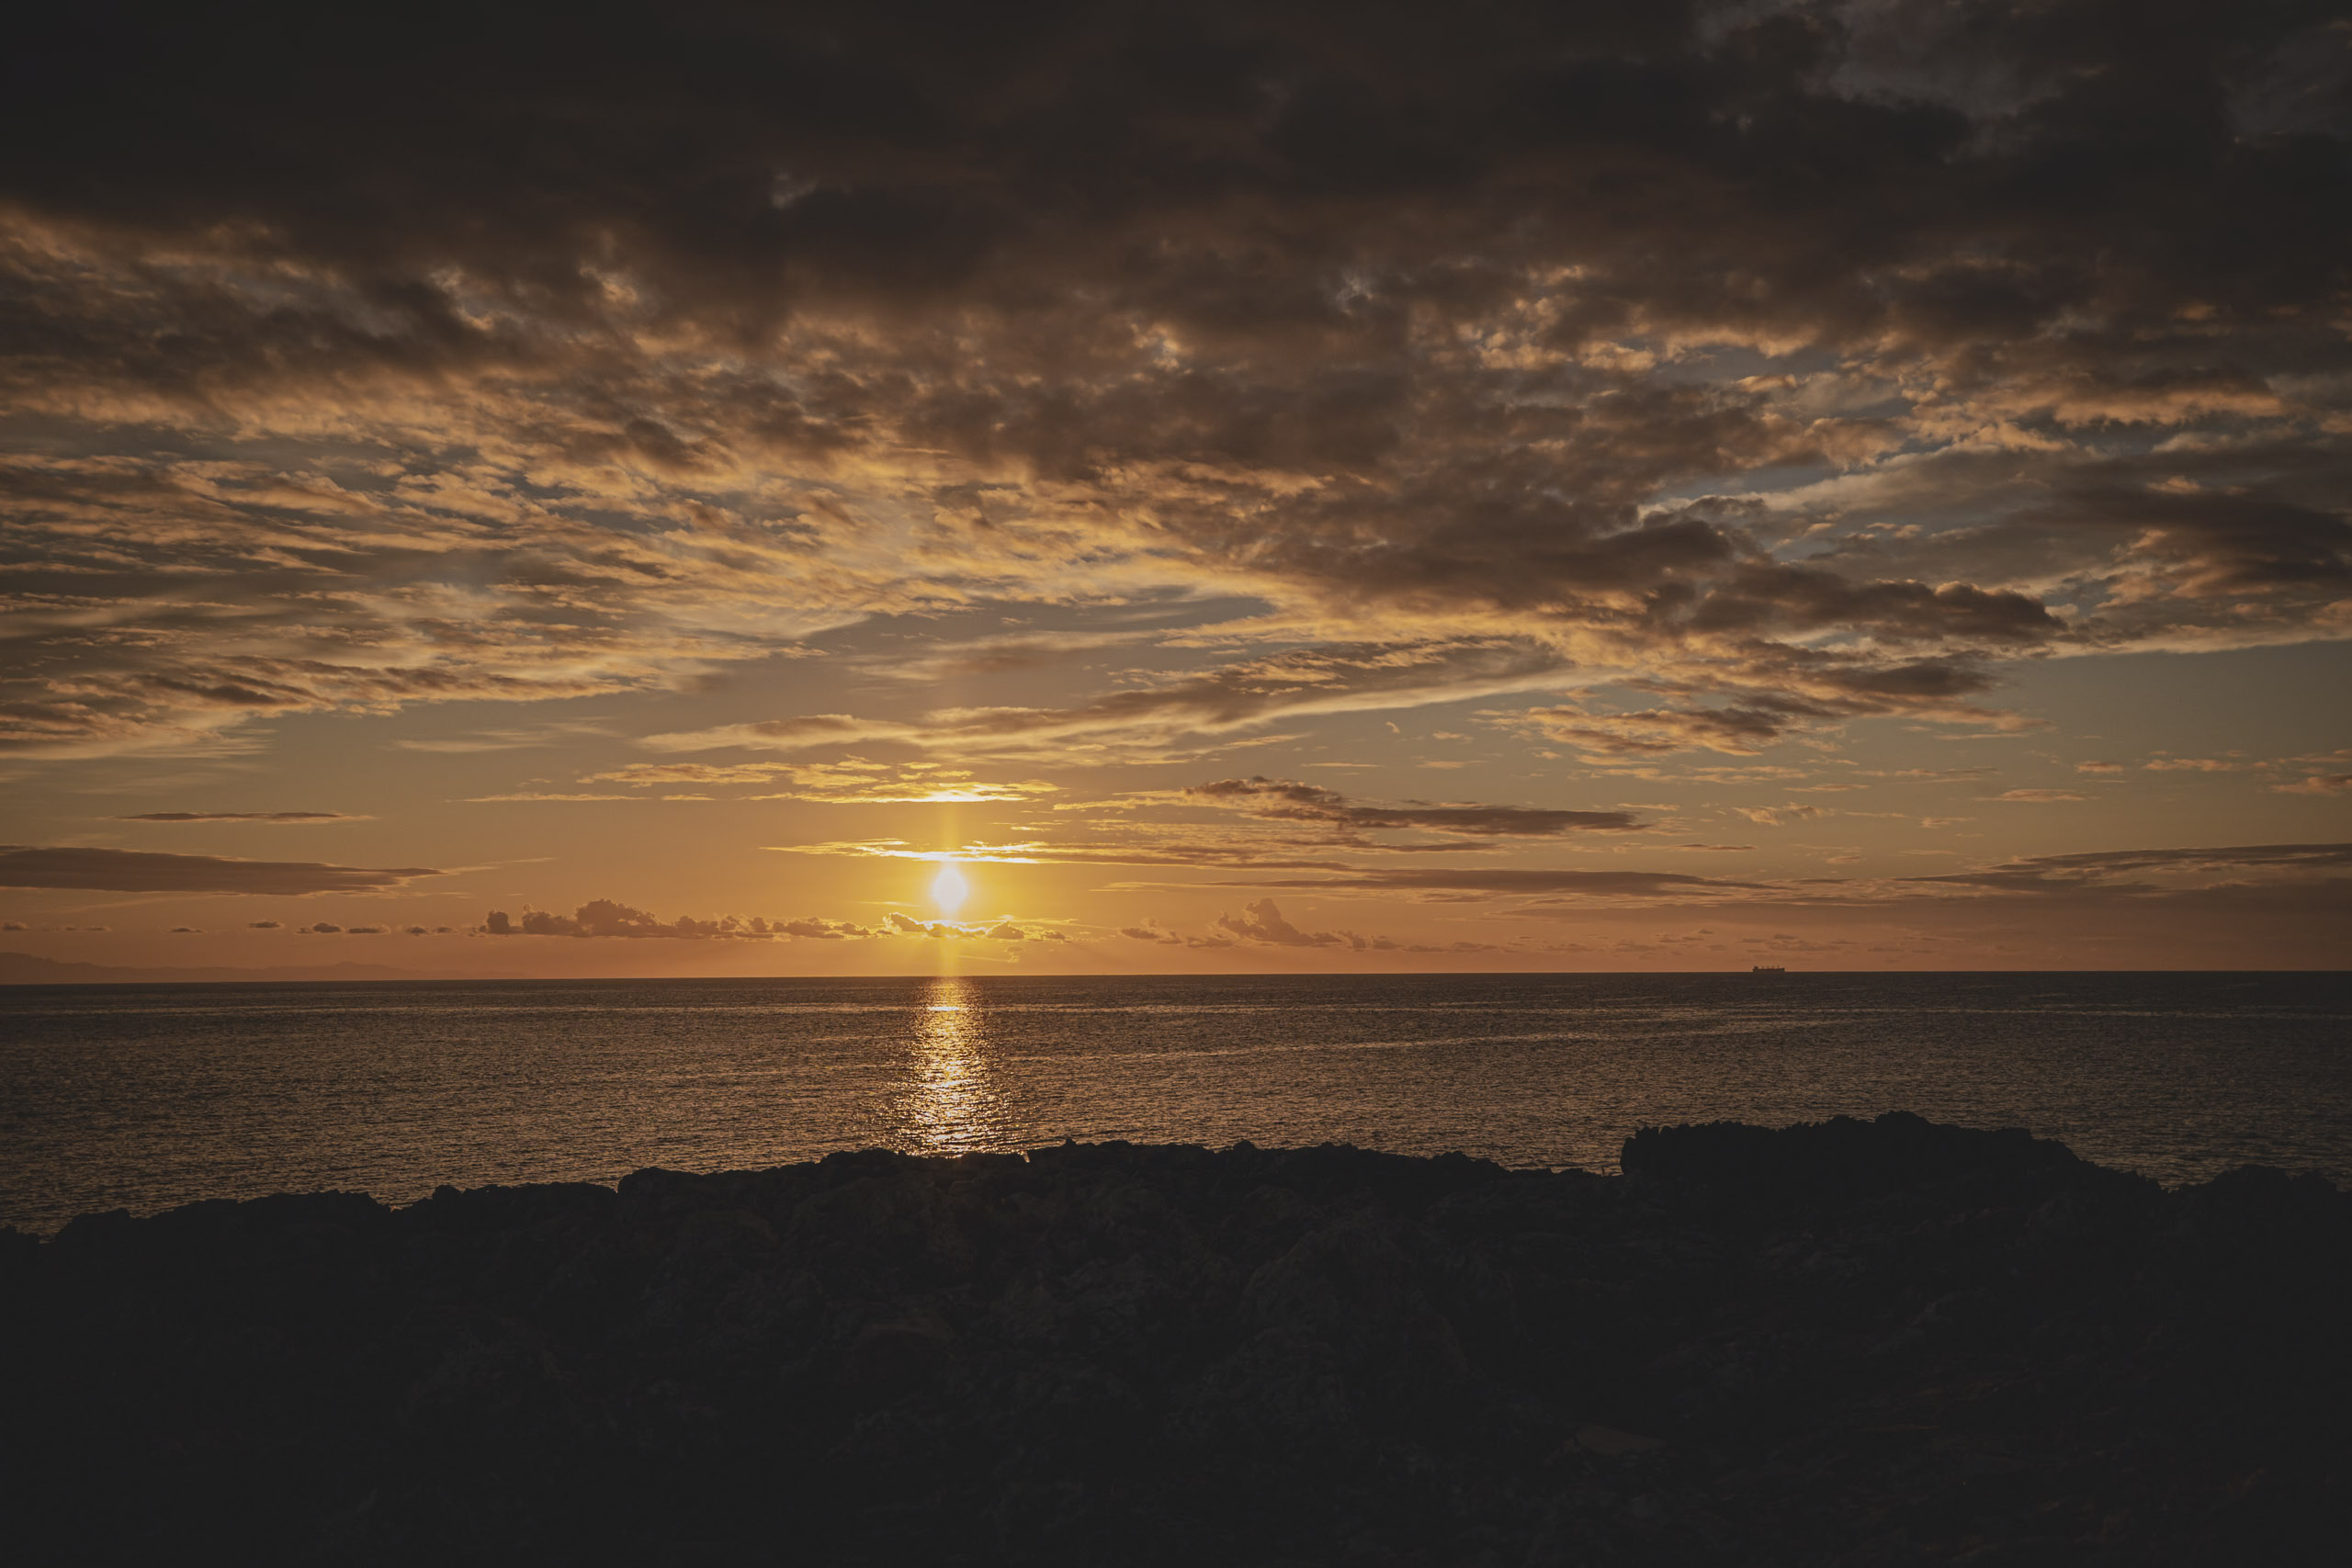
(1804, 360)
(1051, 413)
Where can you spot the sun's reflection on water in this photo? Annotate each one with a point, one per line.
(952, 1104)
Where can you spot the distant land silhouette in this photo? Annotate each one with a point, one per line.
(31, 969)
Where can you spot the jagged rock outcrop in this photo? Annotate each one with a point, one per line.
(1885, 1342)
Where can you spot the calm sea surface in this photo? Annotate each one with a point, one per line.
(148, 1096)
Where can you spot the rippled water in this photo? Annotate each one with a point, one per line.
(144, 1097)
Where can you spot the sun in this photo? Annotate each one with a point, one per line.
(948, 888)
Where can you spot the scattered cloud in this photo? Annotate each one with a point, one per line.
(1779, 816)
(2037, 794)
(820, 931)
(997, 930)
(1262, 921)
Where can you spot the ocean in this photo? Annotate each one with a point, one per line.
(144, 1097)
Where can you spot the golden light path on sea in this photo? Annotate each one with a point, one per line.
(951, 1105)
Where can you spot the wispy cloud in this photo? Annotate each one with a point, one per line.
(284, 816)
(1282, 800)
(515, 738)
(852, 781)
(1148, 722)
(1593, 884)
(141, 870)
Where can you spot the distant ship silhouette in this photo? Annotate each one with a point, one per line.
(1768, 969)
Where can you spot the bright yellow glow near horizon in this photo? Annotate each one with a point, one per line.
(948, 889)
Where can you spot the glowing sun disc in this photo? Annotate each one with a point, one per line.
(948, 888)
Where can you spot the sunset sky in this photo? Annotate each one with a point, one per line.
(1608, 486)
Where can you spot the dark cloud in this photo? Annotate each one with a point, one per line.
(243, 817)
(502, 361)
(1282, 800)
(139, 871)
(1601, 884)
(1776, 696)
(2098, 871)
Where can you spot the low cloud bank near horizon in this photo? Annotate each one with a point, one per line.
(609, 917)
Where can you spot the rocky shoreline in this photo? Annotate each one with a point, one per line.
(1887, 1342)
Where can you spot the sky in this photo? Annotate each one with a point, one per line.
(1257, 487)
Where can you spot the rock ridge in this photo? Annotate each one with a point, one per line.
(1847, 1342)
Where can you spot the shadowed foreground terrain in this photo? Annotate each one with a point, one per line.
(1884, 1342)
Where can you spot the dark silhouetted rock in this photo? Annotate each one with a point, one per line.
(1856, 1342)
